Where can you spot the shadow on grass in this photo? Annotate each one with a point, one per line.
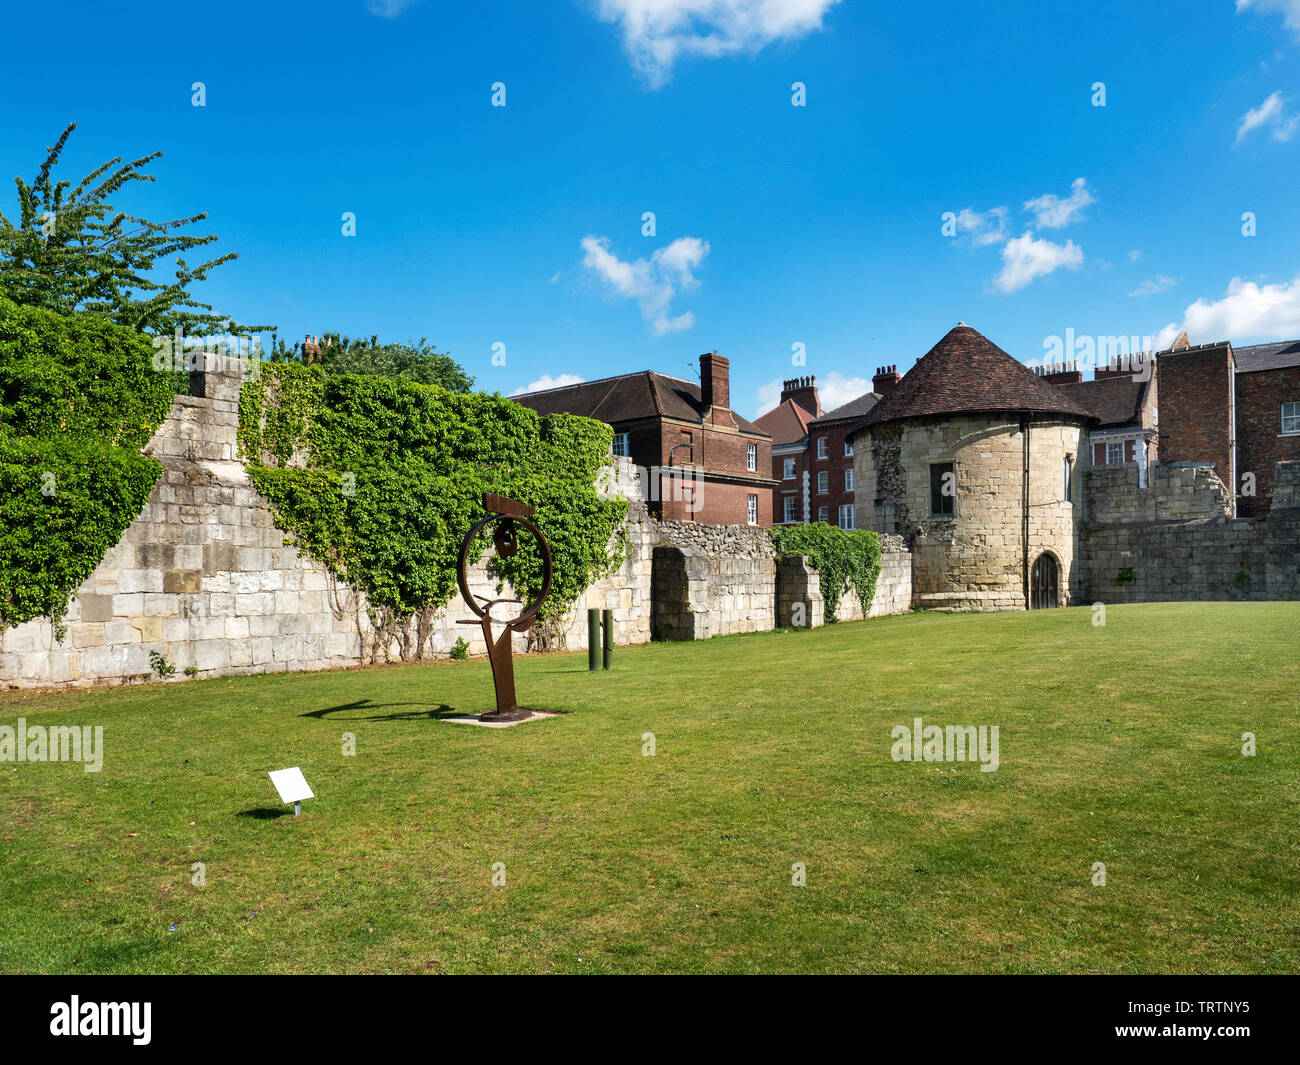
(263, 813)
(440, 711)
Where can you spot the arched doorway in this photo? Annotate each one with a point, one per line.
(1043, 580)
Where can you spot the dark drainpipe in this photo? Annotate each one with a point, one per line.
(1025, 420)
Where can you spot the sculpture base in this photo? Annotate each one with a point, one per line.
(515, 713)
(493, 720)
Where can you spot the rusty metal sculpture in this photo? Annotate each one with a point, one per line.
(508, 515)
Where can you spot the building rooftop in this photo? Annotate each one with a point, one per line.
(1115, 401)
(626, 398)
(1275, 356)
(785, 423)
(965, 373)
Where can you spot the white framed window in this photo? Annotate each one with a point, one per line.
(789, 516)
(1067, 468)
(821, 447)
(787, 470)
(620, 444)
(751, 458)
(751, 509)
(823, 483)
(848, 449)
(1290, 418)
(823, 513)
(848, 480)
(846, 516)
(1115, 453)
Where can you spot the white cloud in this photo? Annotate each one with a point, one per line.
(1134, 255)
(547, 381)
(656, 33)
(1270, 114)
(833, 390)
(1026, 258)
(1052, 212)
(653, 282)
(1153, 285)
(1288, 9)
(389, 8)
(983, 227)
(1247, 312)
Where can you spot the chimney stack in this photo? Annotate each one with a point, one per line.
(1063, 373)
(886, 378)
(803, 390)
(715, 381)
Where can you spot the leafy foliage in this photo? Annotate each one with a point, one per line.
(71, 250)
(379, 479)
(78, 399)
(418, 362)
(838, 555)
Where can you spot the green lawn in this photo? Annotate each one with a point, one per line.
(1119, 745)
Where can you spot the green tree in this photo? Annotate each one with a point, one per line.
(417, 362)
(71, 250)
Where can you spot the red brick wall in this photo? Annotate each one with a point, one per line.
(788, 488)
(1196, 408)
(835, 463)
(1099, 453)
(716, 451)
(1260, 397)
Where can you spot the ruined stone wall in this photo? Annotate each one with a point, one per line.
(1175, 491)
(1206, 557)
(205, 580)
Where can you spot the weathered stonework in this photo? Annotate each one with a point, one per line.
(204, 579)
(973, 559)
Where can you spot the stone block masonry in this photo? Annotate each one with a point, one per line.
(204, 578)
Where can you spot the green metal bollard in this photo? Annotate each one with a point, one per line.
(609, 639)
(593, 639)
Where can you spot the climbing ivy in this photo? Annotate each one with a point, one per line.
(838, 555)
(79, 398)
(379, 479)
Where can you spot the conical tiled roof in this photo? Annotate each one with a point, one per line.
(967, 372)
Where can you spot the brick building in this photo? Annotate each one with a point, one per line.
(787, 423)
(1267, 402)
(1122, 397)
(700, 460)
(812, 451)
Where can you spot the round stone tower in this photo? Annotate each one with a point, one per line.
(975, 461)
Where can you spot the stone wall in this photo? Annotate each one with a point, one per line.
(1175, 491)
(711, 580)
(205, 580)
(1201, 558)
(973, 559)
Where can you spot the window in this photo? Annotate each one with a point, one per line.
(787, 470)
(1067, 468)
(751, 457)
(821, 447)
(790, 503)
(848, 448)
(1115, 453)
(823, 483)
(848, 480)
(620, 444)
(751, 509)
(823, 513)
(943, 486)
(1291, 418)
(846, 516)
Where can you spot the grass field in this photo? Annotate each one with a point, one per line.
(1119, 745)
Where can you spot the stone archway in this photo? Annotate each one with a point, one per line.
(1045, 583)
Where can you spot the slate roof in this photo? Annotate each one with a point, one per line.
(1114, 401)
(852, 410)
(785, 423)
(1275, 356)
(964, 373)
(626, 398)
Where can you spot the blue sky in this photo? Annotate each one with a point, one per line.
(775, 225)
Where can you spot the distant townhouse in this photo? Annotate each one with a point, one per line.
(701, 461)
